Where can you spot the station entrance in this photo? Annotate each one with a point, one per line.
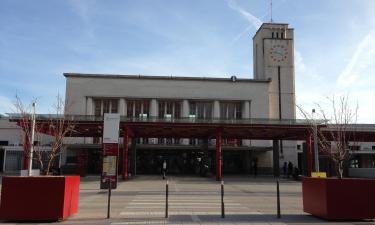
(216, 157)
(191, 161)
(187, 162)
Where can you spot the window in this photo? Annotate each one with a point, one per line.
(102, 106)
(373, 147)
(273, 34)
(172, 108)
(114, 106)
(137, 108)
(201, 110)
(230, 110)
(298, 147)
(4, 143)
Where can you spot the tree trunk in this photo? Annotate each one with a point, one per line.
(49, 166)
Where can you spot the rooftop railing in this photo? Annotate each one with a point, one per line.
(151, 119)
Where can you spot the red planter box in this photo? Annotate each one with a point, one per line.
(39, 198)
(339, 199)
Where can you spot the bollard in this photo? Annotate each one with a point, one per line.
(278, 199)
(109, 198)
(222, 200)
(166, 200)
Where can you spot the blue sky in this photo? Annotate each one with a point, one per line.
(42, 39)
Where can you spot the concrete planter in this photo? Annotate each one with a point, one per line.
(339, 199)
(44, 198)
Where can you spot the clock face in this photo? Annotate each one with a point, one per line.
(278, 53)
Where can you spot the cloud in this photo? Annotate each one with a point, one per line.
(235, 39)
(361, 60)
(253, 20)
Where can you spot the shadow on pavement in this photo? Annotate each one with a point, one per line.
(290, 219)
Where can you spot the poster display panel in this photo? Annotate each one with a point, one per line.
(110, 150)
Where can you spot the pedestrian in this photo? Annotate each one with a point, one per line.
(164, 169)
(296, 173)
(290, 168)
(255, 167)
(285, 169)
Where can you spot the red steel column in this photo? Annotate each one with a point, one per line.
(125, 172)
(218, 156)
(309, 155)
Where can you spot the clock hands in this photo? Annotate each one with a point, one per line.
(279, 53)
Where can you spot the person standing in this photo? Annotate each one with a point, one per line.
(164, 169)
(290, 168)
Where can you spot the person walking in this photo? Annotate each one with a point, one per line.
(290, 169)
(285, 169)
(164, 169)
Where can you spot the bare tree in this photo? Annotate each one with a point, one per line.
(55, 125)
(339, 132)
(59, 127)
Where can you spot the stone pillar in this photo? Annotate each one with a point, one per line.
(185, 114)
(122, 107)
(216, 109)
(154, 108)
(89, 106)
(246, 115)
(154, 112)
(246, 110)
(276, 166)
(185, 109)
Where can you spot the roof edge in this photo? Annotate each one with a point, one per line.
(119, 76)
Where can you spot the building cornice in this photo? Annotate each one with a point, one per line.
(148, 77)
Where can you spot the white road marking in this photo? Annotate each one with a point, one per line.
(186, 207)
(179, 203)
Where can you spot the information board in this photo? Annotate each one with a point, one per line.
(110, 150)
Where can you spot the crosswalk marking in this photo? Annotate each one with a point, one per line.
(179, 203)
(184, 207)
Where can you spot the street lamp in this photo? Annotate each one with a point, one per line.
(316, 150)
(32, 141)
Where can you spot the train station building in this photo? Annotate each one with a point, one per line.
(269, 96)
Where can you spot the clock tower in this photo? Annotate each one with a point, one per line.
(273, 53)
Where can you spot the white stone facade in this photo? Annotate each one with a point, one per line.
(262, 97)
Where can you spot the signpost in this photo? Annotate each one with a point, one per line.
(110, 150)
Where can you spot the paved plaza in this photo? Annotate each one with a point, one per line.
(194, 200)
